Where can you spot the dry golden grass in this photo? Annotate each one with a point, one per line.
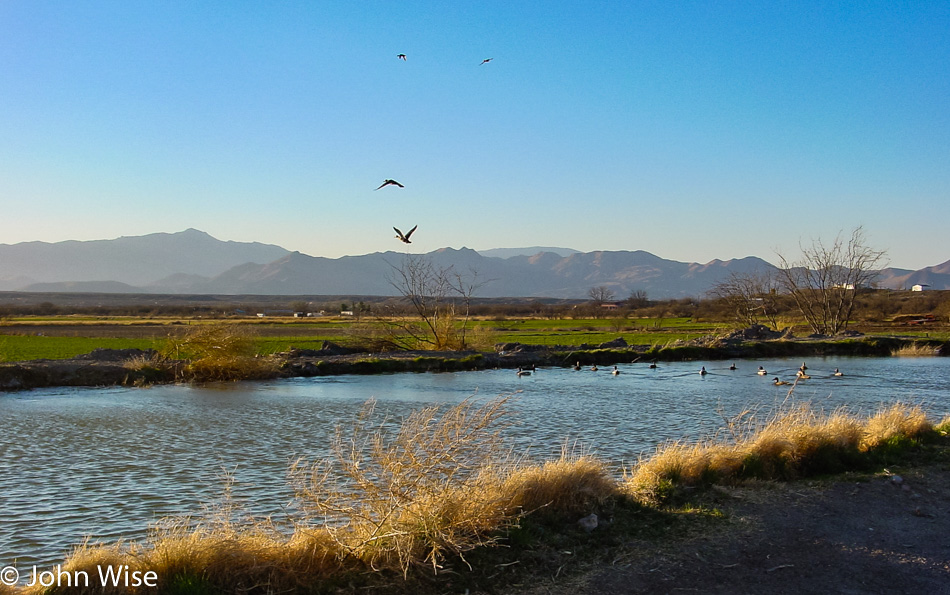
(915, 350)
(569, 487)
(219, 352)
(425, 492)
(895, 422)
(797, 441)
(223, 558)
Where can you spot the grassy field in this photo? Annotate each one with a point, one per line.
(54, 337)
(27, 347)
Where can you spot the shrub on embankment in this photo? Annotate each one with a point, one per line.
(398, 504)
(216, 352)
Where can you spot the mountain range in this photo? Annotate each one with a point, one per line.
(193, 262)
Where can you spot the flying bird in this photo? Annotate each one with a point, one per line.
(401, 57)
(404, 237)
(390, 183)
(486, 61)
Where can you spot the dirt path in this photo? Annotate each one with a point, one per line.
(886, 534)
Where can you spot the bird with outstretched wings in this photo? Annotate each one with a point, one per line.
(404, 238)
(390, 183)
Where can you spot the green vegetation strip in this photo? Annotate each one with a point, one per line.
(28, 347)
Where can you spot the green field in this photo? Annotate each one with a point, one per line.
(64, 337)
(26, 347)
(58, 338)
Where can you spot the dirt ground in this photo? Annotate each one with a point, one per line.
(885, 533)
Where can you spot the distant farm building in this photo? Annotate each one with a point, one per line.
(919, 287)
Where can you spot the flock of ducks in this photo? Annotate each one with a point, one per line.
(800, 374)
(404, 238)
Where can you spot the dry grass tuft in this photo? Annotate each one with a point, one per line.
(222, 552)
(566, 488)
(219, 352)
(151, 368)
(795, 442)
(419, 494)
(896, 422)
(915, 350)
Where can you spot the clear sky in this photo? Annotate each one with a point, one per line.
(692, 130)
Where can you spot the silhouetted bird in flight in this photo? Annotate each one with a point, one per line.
(486, 61)
(401, 57)
(404, 237)
(390, 183)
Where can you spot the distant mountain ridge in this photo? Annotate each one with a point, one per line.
(509, 252)
(543, 275)
(194, 262)
(133, 260)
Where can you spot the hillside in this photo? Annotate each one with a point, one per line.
(135, 260)
(193, 262)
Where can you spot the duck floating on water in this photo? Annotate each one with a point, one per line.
(778, 382)
(732, 367)
(615, 371)
(802, 375)
(761, 371)
(523, 372)
(703, 371)
(837, 373)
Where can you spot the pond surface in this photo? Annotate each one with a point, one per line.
(106, 463)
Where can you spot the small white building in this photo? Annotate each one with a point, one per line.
(919, 287)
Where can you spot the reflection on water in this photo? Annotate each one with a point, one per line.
(107, 462)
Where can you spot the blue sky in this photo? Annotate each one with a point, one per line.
(692, 130)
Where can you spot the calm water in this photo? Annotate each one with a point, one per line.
(106, 463)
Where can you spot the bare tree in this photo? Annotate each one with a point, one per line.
(601, 294)
(440, 298)
(752, 296)
(824, 281)
(638, 299)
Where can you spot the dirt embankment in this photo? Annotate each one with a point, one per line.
(887, 533)
(109, 367)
